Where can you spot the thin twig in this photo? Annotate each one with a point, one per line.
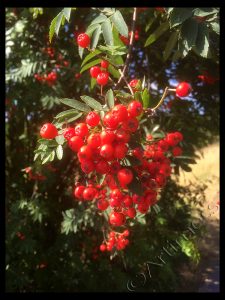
(130, 47)
(132, 93)
(162, 99)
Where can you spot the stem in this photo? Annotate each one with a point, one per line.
(130, 47)
(132, 93)
(172, 90)
(101, 89)
(162, 99)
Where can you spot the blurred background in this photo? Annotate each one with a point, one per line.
(50, 251)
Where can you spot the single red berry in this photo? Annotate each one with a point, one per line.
(78, 192)
(127, 201)
(83, 40)
(117, 218)
(94, 140)
(102, 78)
(124, 39)
(110, 121)
(68, 133)
(178, 135)
(122, 136)
(85, 152)
(114, 202)
(125, 176)
(48, 131)
(87, 166)
(94, 71)
(102, 167)
(102, 247)
(107, 137)
(92, 119)
(183, 89)
(120, 112)
(115, 167)
(135, 108)
(89, 193)
(177, 151)
(134, 85)
(131, 124)
(116, 194)
(131, 212)
(120, 150)
(81, 130)
(104, 64)
(77, 75)
(106, 151)
(102, 204)
(75, 143)
(126, 232)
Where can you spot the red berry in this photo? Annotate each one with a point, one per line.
(85, 152)
(102, 247)
(94, 71)
(131, 212)
(135, 108)
(131, 124)
(94, 140)
(77, 75)
(81, 130)
(124, 39)
(183, 89)
(48, 131)
(117, 219)
(125, 176)
(102, 167)
(92, 119)
(114, 202)
(120, 150)
(120, 112)
(116, 194)
(177, 151)
(134, 85)
(68, 133)
(78, 192)
(122, 136)
(178, 135)
(127, 201)
(107, 137)
(106, 151)
(102, 78)
(87, 166)
(126, 232)
(89, 193)
(75, 143)
(110, 121)
(83, 40)
(104, 64)
(102, 204)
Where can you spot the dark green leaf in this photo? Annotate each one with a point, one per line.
(137, 96)
(75, 104)
(116, 38)
(158, 32)
(110, 98)
(179, 15)
(66, 113)
(114, 72)
(47, 142)
(119, 23)
(95, 37)
(107, 32)
(202, 41)
(93, 82)
(90, 56)
(90, 64)
(92, 102)
(145, 98)
(189, 31)
(186, 168)
(170, 45)
(59, 152)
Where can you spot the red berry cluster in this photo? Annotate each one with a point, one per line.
(50, 78)
(101, 75)
(116, 241)
(126, 40)
(21, 236)
(32, 176)
(50, 51)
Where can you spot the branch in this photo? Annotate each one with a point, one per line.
(162, 99)
(130, 47)
(132, 93)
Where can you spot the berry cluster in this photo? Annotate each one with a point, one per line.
(101, 75)
(126, 40)
(115, 240)
(50, 78)
(50, 51)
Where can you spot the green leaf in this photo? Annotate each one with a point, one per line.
(75, 104)
(52, 155)
(145, 98)
(202, 41)
(109, 98)
(52, 28)
(116, 39)
(215, 27)
(92, 103)
(95, 37)
(80, 51)
(114, 72)
(74, 118)
(99, 19)
(67, 12)
(93, 82)
(179, 15)
(66, 113)
(46, 158)
(90, 64)
(107, 32)
(158, 32)
(118, 21)
(47, 142)
(60, 139)
(36, 155)
(59, 20)
(149, 24)
(137, 96)
(90, 56)
(91, 29)
(59, 152)
(170, 45)
(189, 31)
